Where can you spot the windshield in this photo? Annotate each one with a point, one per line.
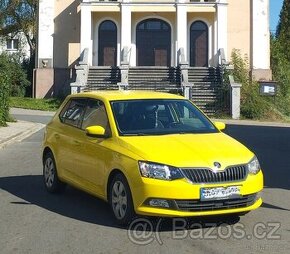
(159, 117)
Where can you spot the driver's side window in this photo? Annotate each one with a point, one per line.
(95, 114)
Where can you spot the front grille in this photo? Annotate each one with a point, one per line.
(197, 205)
(206, 175)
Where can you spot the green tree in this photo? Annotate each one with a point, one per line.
(19, 16)
(280, 58)
(280, 66)
(283, 29)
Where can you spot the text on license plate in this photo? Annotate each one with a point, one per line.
(219, 192)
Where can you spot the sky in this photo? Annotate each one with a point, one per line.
(275, 8)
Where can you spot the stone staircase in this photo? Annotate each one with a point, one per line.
(157, 78)
(207, 92)
(103, 78)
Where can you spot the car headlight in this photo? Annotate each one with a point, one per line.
(254, 166)
(159, 171)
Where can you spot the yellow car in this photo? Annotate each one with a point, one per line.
(149, 153)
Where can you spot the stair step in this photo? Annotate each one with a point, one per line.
(205, 91)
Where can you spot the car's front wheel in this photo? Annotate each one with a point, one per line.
(120, 199)
(51, 181)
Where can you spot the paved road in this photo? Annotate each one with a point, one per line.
(33, 221)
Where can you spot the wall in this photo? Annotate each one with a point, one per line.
(239, 27)
(66, 40)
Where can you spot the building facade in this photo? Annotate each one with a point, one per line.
(147, 33)
(15, 44)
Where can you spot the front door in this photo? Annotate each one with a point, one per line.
(160, 56)
(199, 44)
(109, 56)
(153, 43)
(107, 50)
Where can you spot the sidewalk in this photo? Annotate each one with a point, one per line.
(16, 132)
(253, 123)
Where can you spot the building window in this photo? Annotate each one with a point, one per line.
(12, 44)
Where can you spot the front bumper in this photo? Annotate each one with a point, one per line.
(183, 197)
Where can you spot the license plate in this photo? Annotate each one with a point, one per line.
(219, 193)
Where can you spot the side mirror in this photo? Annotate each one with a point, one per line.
(220, 126)
(96, 131)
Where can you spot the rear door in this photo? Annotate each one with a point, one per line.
(69, 138)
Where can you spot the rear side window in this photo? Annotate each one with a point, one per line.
(72, 113)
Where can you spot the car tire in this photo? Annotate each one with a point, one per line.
(51, 180)
(120, 200)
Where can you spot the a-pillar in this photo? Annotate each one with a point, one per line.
(86, 31)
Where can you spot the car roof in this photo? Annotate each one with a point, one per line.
(112, 95)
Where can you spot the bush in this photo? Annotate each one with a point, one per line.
(13, 82)
(253, 105)
(4, 97)
(11, 66)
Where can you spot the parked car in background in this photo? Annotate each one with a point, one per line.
(149, 153)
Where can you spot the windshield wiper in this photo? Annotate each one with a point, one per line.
(134, 134)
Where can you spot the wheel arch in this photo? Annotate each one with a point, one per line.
(112, 174)
(46, 150)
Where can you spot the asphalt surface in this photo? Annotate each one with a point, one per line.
(33, 221)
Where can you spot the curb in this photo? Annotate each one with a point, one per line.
(22, 111)
(252, 123)
(18, 137)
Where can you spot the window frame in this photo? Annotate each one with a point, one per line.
(108, 131)
(12, 43)
(67, 105)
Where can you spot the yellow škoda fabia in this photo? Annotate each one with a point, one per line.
(149, 153)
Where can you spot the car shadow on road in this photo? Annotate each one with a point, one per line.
(84, 207)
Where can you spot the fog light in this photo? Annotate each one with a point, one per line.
(159, 203)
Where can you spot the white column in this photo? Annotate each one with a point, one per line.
(86, 31)
(181, 31)
(126, 29)
(45, 33)
(221, 27)
(260, 35)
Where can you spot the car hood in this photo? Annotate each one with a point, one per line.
(188, 150)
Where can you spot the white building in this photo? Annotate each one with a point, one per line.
(15, 44)
(148, 33)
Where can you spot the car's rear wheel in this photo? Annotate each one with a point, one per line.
(51, 180)
(120, 199)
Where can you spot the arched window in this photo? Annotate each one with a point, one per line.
(107, 52)
(153, 43)
(199, 44)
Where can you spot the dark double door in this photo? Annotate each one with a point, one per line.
(153, 43)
